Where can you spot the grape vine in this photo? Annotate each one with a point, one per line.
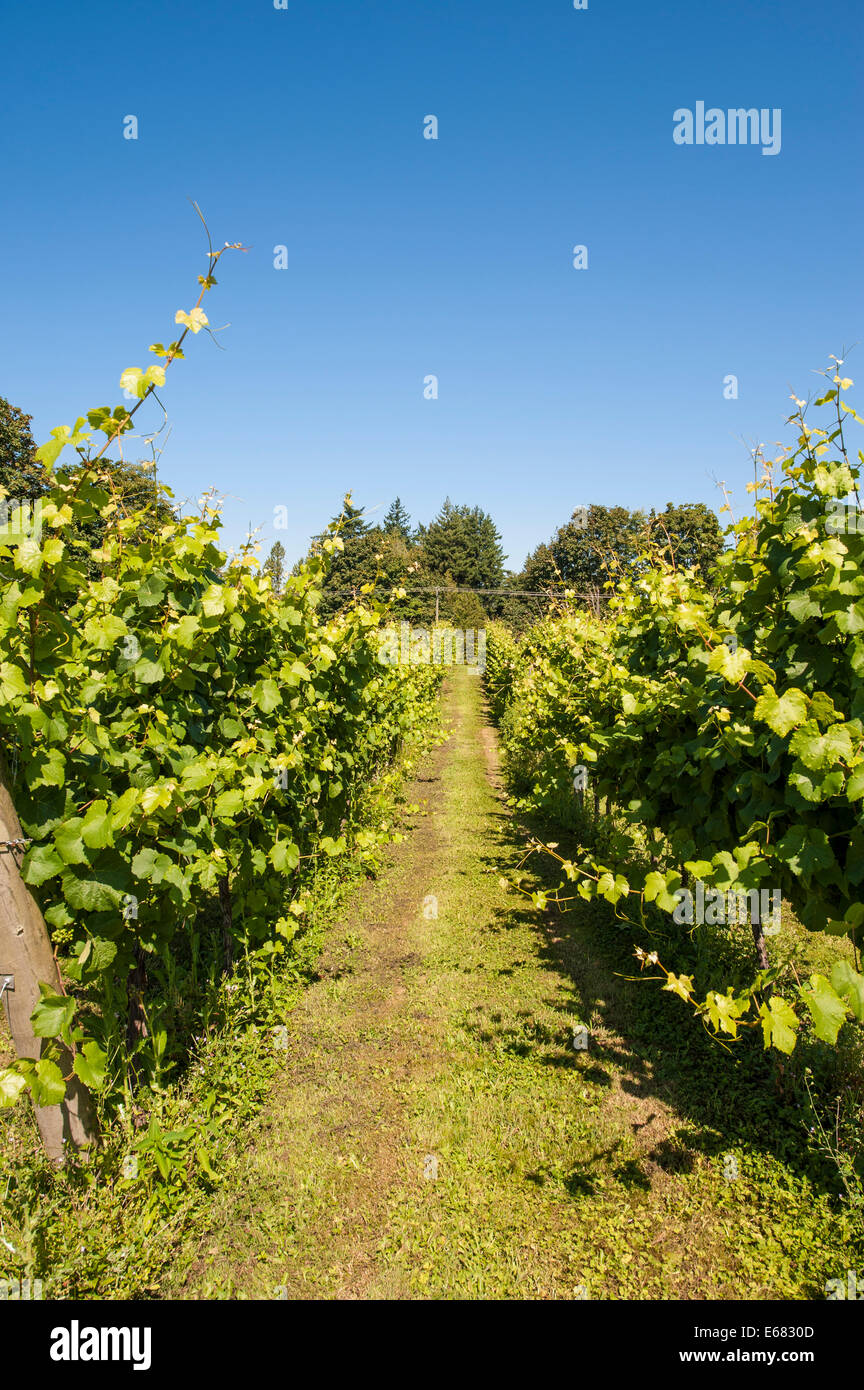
(179, 734)
(726, 719)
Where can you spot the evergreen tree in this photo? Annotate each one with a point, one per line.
(350, 521)
(464, 544)
(355, 564)
(397, 521)
(274, 565)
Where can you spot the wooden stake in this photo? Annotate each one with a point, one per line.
(27, 954)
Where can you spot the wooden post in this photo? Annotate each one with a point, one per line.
(26, 953)
(136, 1021)
(757, 926)
(759, 941)
(227, 923)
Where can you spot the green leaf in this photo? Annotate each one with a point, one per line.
(213, 601)
(96, 831)
(151, 591)
(732, 666)
(284, 856)
(89, 1066)
(204, 1162)
(805, 850)
(93, 894)
(39, 864)
(802, 606)
(186, 630)
(46, 1083)
(28, 557)
(782, 713)
(855, 785)
(104, 633)
(828, 1011)
(197, 775)
(849, 986)
(48, 453)
(660, 889)
(724, 1011)
(331, 846)
(13, 682)
(98, 953)
(12, 1083)
(50, 771)
(58, 915)
(132, 381)
(815, 788)
(123, 808)
(68, 841)
(148, 672)
(654, 883)
(52, 1015)
(228, 804)
(267, 696)
(145, 862)
(818, 751)
(779, 1025)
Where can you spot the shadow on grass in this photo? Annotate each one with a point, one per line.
(735, 1096)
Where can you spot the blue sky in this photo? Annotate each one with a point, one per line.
(407, 257)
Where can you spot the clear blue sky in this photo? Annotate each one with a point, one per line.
(407, 256)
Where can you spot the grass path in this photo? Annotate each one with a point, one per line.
(435, 1134)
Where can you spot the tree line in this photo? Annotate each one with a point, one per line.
(459, 549)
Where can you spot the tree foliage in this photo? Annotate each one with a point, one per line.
(397, 522)
(21, 473)
(274, 565)
(599, 544)
(463, 544)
